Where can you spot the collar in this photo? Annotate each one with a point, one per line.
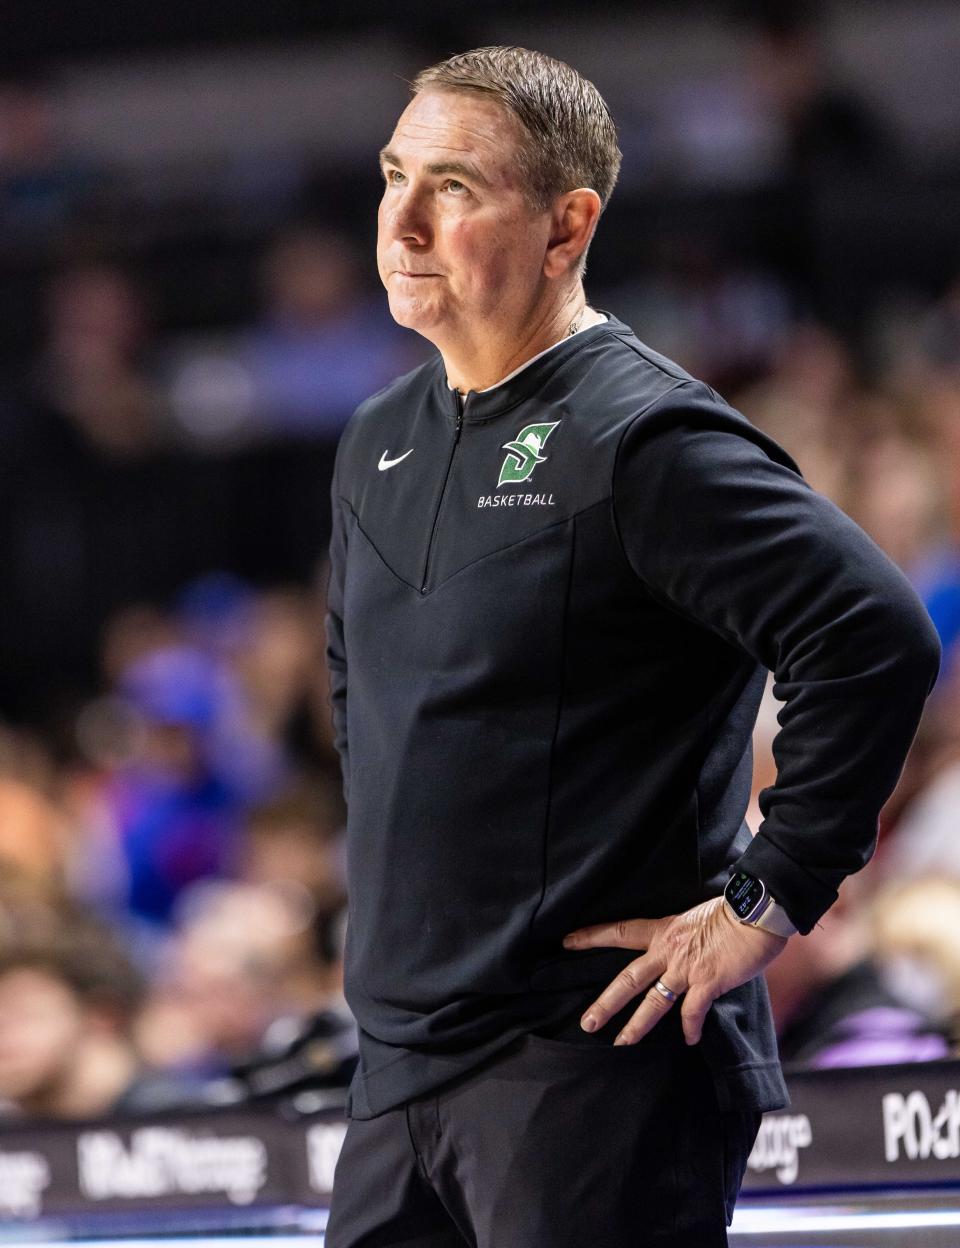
(526, 364)
(479, 405)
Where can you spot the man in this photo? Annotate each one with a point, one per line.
(559, 568)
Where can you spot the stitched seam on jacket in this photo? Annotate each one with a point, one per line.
(553, 742)
(376, 550)
(487, 555)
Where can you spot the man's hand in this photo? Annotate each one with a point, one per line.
(702, 953)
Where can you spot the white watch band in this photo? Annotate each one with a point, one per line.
(775, 919)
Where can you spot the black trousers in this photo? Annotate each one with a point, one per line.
(553, 1143)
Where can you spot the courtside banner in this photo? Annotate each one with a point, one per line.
(861, 1128)
(865, 1128)
(220, 1159)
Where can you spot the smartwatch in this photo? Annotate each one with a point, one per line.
(752, 903)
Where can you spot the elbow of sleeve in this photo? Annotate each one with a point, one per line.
(921, 652)
(933, 651)
(903, 640)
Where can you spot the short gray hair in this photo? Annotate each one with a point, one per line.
(571, 140)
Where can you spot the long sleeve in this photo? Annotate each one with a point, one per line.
(720, 527)
(336, 650)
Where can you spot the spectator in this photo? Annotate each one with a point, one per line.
(320, 347)
(92, 369)
(67, 1003)
(179, 800)
(898, 497)
(297, 840)
(34, 829)
(917, 933)
(42, 186)
(801, 404)
(235, 962)
(271, 643)
(94, 514)
(833, 1007)
(308, 1051)
(925, 842)
(827, 126)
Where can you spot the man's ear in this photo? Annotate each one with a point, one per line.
(574, 219)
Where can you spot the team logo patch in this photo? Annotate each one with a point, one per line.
(523, 453)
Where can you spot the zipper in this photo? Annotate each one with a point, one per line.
(458, 399)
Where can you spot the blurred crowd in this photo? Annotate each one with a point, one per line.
(172, 903)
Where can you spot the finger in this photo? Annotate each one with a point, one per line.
(629, 983)
(626, 934)
(693, 1013)
(649, 1012)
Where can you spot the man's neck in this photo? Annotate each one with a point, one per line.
(484, 365)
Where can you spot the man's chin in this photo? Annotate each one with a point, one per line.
(414, 314)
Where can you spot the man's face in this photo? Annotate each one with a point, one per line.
(459, 244)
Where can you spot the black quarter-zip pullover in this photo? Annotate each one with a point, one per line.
(551, 609)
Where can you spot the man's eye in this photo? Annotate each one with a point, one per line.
(393, 177)
(456, 187)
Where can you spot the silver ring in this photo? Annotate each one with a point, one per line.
(664, 991)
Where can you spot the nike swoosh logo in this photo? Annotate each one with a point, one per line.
(388, 463)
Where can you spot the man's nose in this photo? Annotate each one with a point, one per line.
(408, 218)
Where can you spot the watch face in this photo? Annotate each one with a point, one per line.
(744, 893)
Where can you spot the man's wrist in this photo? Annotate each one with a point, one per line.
(750, 902)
